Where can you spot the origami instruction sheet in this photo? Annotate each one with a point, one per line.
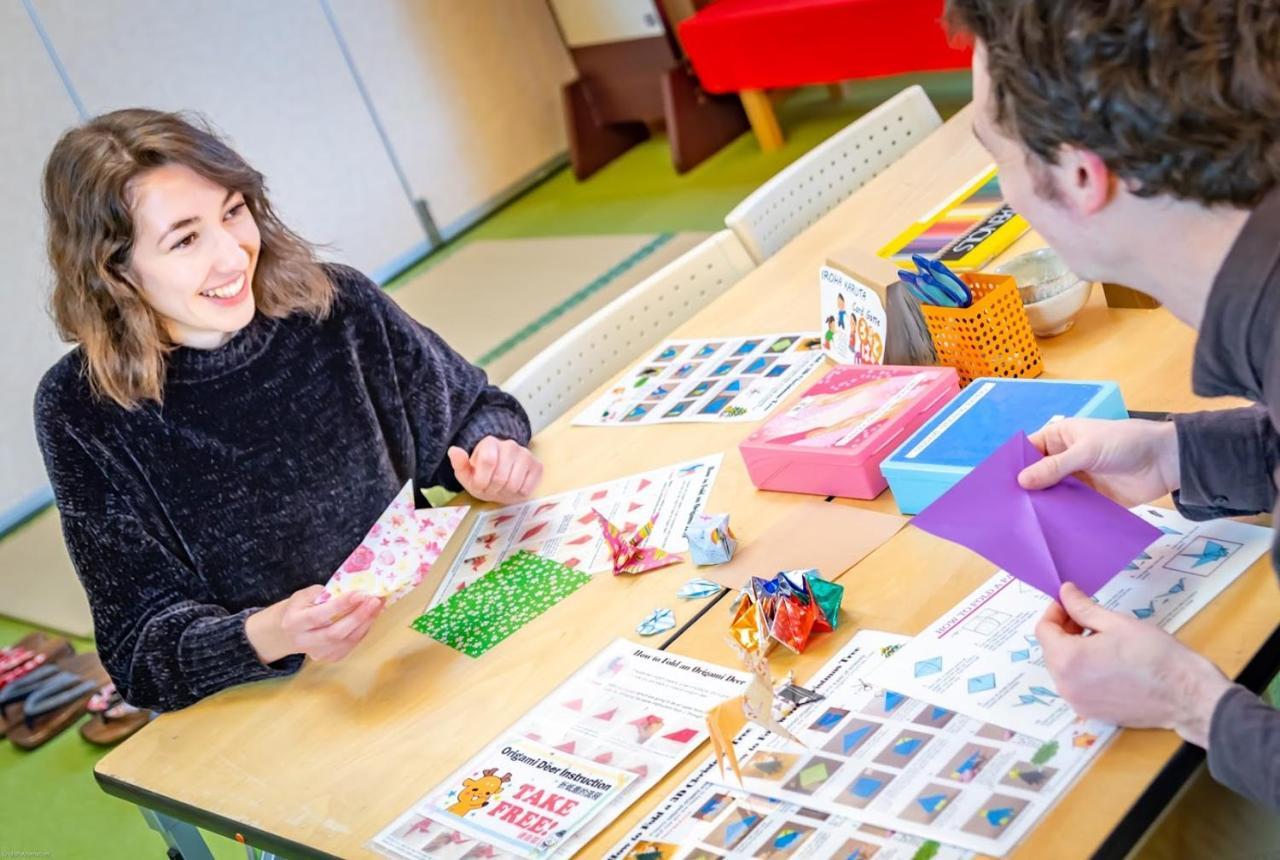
(715, 379)
(564, 527)
(982, 659)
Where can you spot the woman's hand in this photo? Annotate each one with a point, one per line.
(1130, 461)
(326, 631)
(498, 470)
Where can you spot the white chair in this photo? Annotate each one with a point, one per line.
(605, 343)
(818, 181)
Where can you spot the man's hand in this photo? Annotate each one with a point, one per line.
(1131, 461)
(498, 470)
(1127, 672)
(326, 631)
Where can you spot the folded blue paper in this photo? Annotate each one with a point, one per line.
(1066, 533)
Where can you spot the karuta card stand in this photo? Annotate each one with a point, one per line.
(867, 314)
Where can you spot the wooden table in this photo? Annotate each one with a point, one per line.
(318, 764)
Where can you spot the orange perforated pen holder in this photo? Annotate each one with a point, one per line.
(991, 337)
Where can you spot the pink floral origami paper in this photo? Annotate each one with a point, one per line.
(397, 553)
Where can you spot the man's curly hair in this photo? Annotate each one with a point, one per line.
(1179, 97)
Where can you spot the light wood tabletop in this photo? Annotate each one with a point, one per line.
(319, 763)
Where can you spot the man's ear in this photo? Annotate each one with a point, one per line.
(1086, 179)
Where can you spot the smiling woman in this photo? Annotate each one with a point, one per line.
(235, 413)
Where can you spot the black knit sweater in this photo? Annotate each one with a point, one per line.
(269, 459)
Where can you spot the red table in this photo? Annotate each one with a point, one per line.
(750, 46)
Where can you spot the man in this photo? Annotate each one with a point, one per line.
(1141, 139)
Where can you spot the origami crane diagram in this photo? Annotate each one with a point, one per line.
(1066, 533)
(628, 551)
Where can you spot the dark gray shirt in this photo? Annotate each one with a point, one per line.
(1229, 461)
(268, 460)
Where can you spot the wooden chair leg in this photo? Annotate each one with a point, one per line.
(763, 120)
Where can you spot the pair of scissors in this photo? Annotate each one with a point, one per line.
(935, 284)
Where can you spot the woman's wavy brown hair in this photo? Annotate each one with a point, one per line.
(1181, 97)
(87, 199)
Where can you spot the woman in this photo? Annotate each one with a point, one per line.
(235, 415)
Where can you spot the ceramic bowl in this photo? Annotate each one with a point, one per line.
(1051, 293)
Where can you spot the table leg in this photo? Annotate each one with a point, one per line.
(183, 839)
(763, 121)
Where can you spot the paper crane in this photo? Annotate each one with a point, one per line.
(629, 554)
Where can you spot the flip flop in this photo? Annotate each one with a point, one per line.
(56, 701)
(111, 718)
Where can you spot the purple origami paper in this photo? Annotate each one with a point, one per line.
(1067, 533)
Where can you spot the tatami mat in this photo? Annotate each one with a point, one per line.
(500, 302)
(37, 580)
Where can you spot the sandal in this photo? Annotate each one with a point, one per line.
(111, 718)
(31, 651)
(54, 702)
(16, 692)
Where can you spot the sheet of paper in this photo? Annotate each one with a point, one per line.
(1035, 534)
(524, 797)
(827, 535)
(886, 760)
(705, 818)
(982, 658)
(563, 527)
(499, 603)
(630, 707)
(398, 550)
(719, 379)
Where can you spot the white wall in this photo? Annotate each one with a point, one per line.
(460, 105)
(35, 108)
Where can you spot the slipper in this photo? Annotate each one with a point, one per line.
(111, 718)
(57, 701)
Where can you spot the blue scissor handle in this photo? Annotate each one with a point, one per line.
(926, 291)
(943, 281)
(942, 273)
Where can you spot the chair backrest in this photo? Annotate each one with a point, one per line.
(605, 343)
(822, 178)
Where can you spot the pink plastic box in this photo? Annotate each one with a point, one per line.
(831, 442)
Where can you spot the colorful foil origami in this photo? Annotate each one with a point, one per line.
(397, 552)
(789, 609)
(629, 556)
(711, 541)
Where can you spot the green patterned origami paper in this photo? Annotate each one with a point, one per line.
(499, 603)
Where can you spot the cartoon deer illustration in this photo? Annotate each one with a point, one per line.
(477, 793)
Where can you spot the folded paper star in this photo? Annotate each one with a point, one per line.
(1067, 533)
(398, 550)
(657, 621)
(628, 552)
(696, 589)
(788, 608)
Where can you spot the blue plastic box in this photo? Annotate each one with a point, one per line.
(981, 418)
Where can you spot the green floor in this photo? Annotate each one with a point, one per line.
(50, 805)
